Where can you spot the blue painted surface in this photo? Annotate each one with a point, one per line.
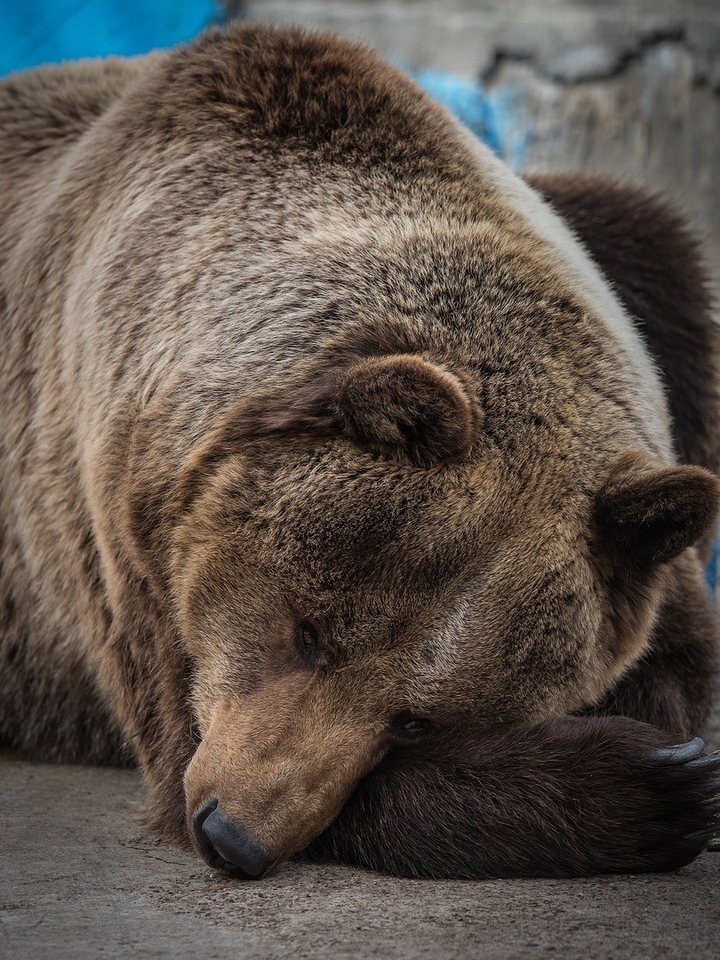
(497, 117)
(711, 570)
(467, 100)
(33, 32)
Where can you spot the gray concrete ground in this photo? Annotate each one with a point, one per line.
(78, 881)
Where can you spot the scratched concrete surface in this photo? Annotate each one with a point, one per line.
(78, 881)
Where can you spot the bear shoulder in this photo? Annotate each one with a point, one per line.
(300, 93)
(648, 252)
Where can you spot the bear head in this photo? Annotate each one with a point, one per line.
(368, 559)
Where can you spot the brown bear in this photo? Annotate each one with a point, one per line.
(353, 487)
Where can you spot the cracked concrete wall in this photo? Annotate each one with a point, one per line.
(630, 87)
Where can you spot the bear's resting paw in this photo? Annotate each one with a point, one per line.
(568, 797)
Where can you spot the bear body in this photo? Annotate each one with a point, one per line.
(334, 466)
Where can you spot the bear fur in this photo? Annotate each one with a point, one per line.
(354, 488)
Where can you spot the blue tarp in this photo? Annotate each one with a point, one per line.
(33, 32)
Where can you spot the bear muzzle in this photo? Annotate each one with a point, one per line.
(267, 779)
(226, 846)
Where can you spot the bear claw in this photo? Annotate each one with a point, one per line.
(645, 807)
(681, 753)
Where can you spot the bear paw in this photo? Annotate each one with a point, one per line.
(572, 796)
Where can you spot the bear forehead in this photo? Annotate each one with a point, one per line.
(347, 529)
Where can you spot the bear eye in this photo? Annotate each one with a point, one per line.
(306, 640)
(411, 728)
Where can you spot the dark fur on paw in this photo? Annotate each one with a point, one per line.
(568, 797)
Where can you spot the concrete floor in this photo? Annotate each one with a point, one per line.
(79, 881)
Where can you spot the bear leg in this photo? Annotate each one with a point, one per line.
(568, 797)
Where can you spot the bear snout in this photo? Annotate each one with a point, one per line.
(261, 787)
(226, 846)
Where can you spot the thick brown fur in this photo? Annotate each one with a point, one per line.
(323, 434)
(653, 260)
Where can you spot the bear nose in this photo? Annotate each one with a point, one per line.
(226, 846)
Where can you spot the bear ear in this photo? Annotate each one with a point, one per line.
(647, 513)
(401, 406)
(407, 408)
